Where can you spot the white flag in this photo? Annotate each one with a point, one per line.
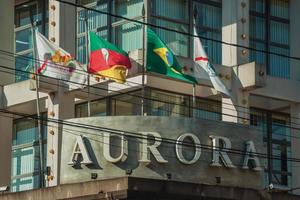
(200, 57)
(57, 63)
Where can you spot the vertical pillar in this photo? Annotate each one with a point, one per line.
(236, 109)
(294, 36)
(60, 106)
(62, 25)
(7, 40)
(6, 132)
(235, 30)
(62, 32)
(295, 146)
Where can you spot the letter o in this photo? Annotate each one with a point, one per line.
(179, 144)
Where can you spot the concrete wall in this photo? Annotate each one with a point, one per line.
(7, 41)
(137, 188)
(6, 132)
(295, 145)
(169, 128)
(234, 25)
(294, 37)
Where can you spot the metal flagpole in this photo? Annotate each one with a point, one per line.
(144, 64)
(194, 85)
(194, 97)
(87, 60)
(41, 156)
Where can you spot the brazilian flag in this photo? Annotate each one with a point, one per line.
(160, 59)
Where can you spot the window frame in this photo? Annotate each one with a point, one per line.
(267, 128)
(266, 15)
(32, 144)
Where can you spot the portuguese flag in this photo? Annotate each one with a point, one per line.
(107, 60)
(160, 59)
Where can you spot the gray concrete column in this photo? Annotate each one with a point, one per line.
(7, 40)
(235, 23)
(236, 109)
(295, 146)
(235, 30)
(294, 37)
(62, 25)
(6, 132)
(60, 106)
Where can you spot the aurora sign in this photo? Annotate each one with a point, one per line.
(191, 150)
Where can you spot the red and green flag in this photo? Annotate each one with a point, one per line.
(160, 59)
(107, 60)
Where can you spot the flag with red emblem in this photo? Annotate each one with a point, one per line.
(56, 63)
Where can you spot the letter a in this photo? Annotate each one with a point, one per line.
(80, 150)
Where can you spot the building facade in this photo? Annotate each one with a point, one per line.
(252, 43)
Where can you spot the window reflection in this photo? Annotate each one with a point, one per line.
(25, 154)
(156, 103)
(25, 14)
(275, 127)
(269, 30)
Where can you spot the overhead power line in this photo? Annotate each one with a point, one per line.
(242, 108)
(136, 135)
(176, 31)
(147, 105)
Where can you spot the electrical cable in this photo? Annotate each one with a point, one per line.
(173, 30)
(215, 105)
(136, 135)
(149, 106)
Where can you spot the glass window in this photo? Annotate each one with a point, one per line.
(23, 40)
(25, 14)
(275, 128)
(127, 104)
(209, 24)
(156, 103)
(126, 35)
(26, 183)
(96, 22)
(129, 36)
(207, 109)
(25, 154)
(129, 9)
(269, 30)
(98, 108)
(168, 104)
(280, 8)
(24, 64)
(177, 42)
(257, 6)
(174, 9)
(172, 14)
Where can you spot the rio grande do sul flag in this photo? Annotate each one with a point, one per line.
(202, 61)
(160, 59)
(56, 63)
(107, 60)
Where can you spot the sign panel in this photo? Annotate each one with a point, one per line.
(177, 148)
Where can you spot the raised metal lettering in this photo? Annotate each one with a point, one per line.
(179, 148)
(221, 152)
(106, 148)
(80, 154)
(250, 155)
(146, 149)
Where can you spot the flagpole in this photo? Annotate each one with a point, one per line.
(87, 61)
(144, 65)
(193, 47)
(41, 156)
(194, 99)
